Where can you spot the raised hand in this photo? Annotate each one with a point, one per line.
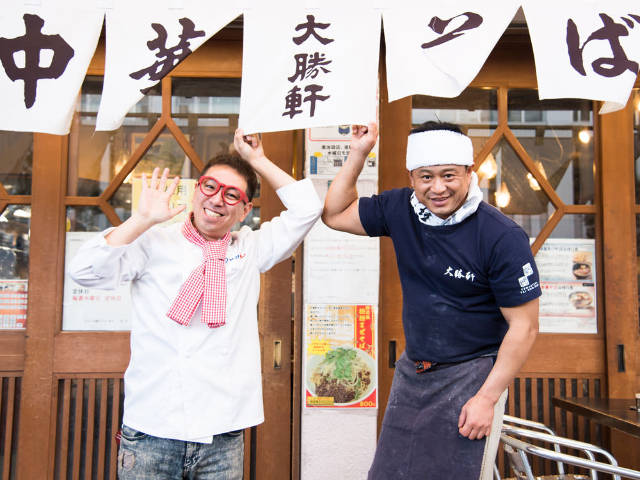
(248, 147)
(153, 205)
(363, 138)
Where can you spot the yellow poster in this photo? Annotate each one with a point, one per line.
(340, 362)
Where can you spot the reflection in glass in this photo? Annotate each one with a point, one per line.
(165, 152)
(636, 139)
(573, 226)
(252, 220)
(86, 219)
(511, 187)
(475, 110)
(206, 110)
(638, 251)
(558, 136)
(14, 242)
(14, 266)
(16, 161)
(96, 157)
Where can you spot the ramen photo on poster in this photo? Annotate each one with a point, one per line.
(568, 279)
(343, 374)
(340, 366)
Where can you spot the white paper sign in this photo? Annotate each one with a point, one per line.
(308, 67)
(437, 48)
(585, 49)
(86, 308)
(145, 41)
(44, 55)
(341, 267)
(327, 149)
(567, 270)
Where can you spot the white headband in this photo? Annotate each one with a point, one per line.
(438, 147)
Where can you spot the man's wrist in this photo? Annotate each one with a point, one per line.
(141, 223)
(488, 396)
(256, 160)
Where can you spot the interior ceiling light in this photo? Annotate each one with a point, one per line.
(488, 169)
(503, 197)
(533, 183)
(585, 136)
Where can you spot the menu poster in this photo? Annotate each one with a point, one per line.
(327, 149)
(340, 267)
(340, 366)
(86, 308)
(568, 281)
(13, 304)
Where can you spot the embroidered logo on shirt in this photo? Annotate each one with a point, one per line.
(458, 273)
(235, 257)
(525, 285)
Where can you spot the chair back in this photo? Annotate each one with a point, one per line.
(531, 425)
(518, 452)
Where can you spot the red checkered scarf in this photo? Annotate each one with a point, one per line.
(207, 282)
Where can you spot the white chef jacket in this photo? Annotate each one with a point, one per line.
(192, 382)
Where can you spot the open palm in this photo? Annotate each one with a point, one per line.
(153, 205)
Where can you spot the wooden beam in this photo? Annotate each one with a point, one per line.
(47, 233)
(620, 259)
(275, 328)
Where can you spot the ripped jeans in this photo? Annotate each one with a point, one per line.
(143, 457)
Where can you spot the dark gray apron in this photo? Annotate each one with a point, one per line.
(419, 438)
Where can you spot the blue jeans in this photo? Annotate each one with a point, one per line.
(143, 457)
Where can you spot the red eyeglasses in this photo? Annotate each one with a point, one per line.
(231, 195)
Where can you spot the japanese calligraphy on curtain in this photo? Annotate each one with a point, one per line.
(44, 54)
(304, 68)
(585, 49)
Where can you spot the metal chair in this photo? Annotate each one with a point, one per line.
(531, 425)
(518, 451)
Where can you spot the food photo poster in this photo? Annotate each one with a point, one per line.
(568, 280)
(340, 363)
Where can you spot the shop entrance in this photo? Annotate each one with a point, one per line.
(540, 163)
(62, 387)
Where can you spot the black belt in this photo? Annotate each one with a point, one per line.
(424, 365)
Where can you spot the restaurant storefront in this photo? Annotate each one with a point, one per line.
(568, 176)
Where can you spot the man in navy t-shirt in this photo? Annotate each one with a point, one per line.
(470, 304)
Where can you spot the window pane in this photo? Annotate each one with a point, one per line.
(558, 136)
(638, 259)
(511, 188)
(252, 220)
(16, 160)
(206, 110)
(164, 152)
(475, 110)
(636, 139)
(86, 219)
(575, 226)
(96, 157)
(14, 265)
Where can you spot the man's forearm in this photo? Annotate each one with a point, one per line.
(127, 231)
(342, 191)
(270, 172)
(512, 354)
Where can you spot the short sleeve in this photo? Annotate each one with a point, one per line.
(513, 274)
(372, 215)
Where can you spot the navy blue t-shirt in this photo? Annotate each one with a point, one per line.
(454, 278)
